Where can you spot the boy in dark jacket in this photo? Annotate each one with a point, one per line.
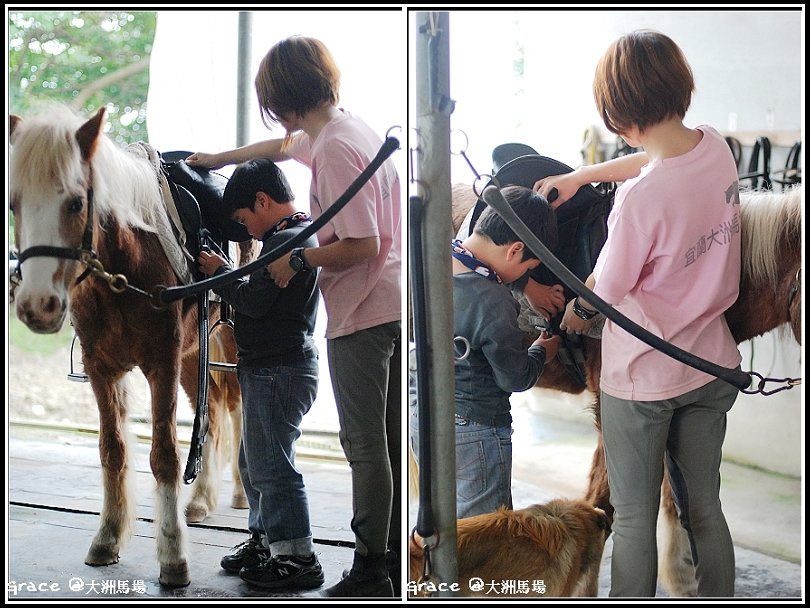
(278, 376)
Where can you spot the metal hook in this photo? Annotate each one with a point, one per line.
(789, 383)
(388, 133)
(467, 347)
(477, 183)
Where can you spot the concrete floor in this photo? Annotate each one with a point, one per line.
(552, 456)
(55, 495)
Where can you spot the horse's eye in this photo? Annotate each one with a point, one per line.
(75, 205)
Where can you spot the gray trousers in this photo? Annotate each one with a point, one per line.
(689, 430)
(365, 368)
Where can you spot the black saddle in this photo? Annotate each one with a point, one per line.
(198, 194)
(581, 220)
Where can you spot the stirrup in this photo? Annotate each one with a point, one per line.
(73, 375)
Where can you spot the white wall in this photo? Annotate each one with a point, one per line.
(768, 431)
(748, 69)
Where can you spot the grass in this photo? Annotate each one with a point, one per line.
(23, 338)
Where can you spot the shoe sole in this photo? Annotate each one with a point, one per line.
(306, 581)
(234, 570)
(230, 570)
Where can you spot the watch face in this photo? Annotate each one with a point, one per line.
(296, 263)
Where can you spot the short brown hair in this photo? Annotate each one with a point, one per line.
(296, 75)
(642, 79)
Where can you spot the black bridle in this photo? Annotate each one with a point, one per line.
(83, 254)
(794, 288)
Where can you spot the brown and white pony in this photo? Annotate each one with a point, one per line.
(770, 297)
(69, 184)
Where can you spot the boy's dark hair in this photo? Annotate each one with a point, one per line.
(532, 208)
(642, 79)
(251, 177)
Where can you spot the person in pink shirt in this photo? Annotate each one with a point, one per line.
(359, 256)
(671, 263)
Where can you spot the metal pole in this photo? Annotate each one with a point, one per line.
(243, 79)
(433, 106)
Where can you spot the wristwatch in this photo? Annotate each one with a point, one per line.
(297, 261)
(582, 312)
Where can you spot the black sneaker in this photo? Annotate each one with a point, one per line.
(249, 553)
(285, 571)
(352, 586)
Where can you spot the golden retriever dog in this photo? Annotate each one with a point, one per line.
(551, 550)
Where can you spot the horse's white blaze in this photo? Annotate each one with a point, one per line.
(42, 281)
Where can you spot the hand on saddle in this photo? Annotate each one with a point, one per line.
(209, 262)
(204, 159)
(566, 186)
(547, 300)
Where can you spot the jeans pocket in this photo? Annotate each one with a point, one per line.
(471, 477)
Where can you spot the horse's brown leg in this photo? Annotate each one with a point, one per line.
(205, 489)
(676, 569)
(118, 510)
(233, 399)
(223, 346)
(598, 491)
(164, 459)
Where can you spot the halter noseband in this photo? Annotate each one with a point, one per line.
(84, 254)
(794, 287)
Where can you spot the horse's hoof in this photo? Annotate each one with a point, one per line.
(174, 575)
(195, 513)
(239, 502)
(99, 555)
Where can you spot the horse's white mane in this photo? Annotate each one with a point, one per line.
(45, 148)
(766, 218)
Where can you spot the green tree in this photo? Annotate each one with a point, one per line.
(86, 60)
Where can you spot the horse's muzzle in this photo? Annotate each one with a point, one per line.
(43, 315)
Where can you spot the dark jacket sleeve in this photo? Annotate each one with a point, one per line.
(252, 296)
(514, 367)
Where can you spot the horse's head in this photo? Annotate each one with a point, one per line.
(51, 200)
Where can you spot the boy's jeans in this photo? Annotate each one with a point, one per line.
(274, 401)
(483, 464)
(483, 467)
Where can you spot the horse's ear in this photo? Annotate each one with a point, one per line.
(13, 122)
(89, 133)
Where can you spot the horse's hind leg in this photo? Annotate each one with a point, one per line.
(205, 489)
(234, 402)
(164, 459)
(676, 568)
(598, 491)
(223, 348)
(118, 510)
